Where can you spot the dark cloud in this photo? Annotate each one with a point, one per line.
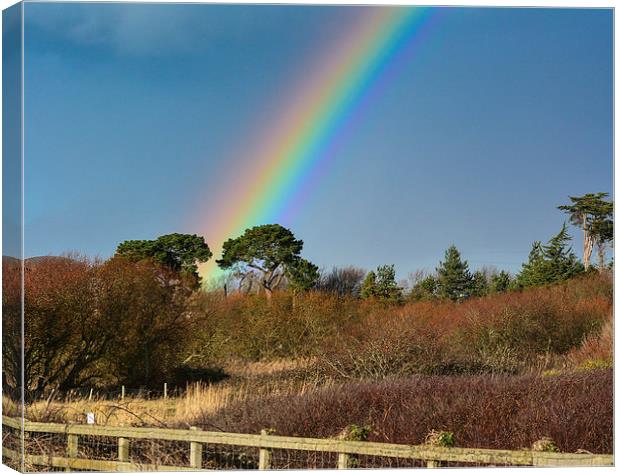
(139, 29)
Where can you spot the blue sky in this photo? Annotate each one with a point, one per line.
(131, 113)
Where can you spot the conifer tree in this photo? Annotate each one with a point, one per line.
(500, 282)
(425, 289)
(381, 284)
(550, 263)
(369, 286)
(302, 275)
(594, 215)
(533, 272)
(563, 263)
(387, 288)
(454, 280)
(479, 284)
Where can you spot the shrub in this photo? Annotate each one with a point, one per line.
(253, 327)
(596, 350)
(355, 433)
(89, 323)
(443, 439)
(486, 411)
(503, 333)
(545, 445)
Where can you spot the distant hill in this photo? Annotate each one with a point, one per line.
(8, 260)
(47, 258)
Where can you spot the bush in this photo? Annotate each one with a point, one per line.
(504, 333)
(90, 323)
(596, 351)
(253, 327)
(501, 412)
(367, 339)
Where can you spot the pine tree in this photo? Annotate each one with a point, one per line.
(533, 273)
(454, 281)
(387, 288)
(550, 263)
(425, 289)
(500, 282)
(594, 215)
(381, 284)
(369, 286)
(563, 263)
(479, 284)
(302, 275)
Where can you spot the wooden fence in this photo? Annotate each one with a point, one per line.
(69, 452)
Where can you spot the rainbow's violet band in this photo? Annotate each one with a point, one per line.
(294, 148)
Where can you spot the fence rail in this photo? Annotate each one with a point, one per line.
(67, 441)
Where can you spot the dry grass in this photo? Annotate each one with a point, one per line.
(198, 400)
(138, 411)
(261, 368)
(10, 407)
(597, 349)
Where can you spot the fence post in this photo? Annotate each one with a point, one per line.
(344, 461)
(72, 448)
(122, 392)
(165, 390)
(195, 452)
(264, 454)
(123, 449)
(90, 395)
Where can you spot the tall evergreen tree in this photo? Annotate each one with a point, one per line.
(387, 288)
(563, 263)
(594, 215)
(500, 282)
(179, 252)
(533, 272)
(479, 284)
(381, 284)
(454, 280)
(302, 274)
(550, 263)
(271, 252)
(425, 289)
(369, 286)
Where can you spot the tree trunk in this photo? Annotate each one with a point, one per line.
(587, 244)
(587, 250)
(601, 256)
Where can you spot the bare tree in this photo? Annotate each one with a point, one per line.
(343, 281)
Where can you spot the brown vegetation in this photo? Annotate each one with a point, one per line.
(511, 412)
(597, 349)
(480, 369)
(92, 323)
(351, 338)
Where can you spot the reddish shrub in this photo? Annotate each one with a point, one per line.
(502, 412)
(504, 333)
(596, 350)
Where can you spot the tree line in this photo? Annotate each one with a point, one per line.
(121, 320)
(268, 257)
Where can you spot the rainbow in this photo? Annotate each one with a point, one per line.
(291, 151)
